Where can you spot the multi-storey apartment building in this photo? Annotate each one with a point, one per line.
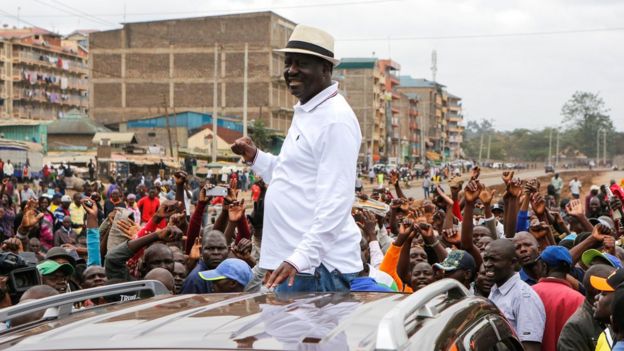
(42, 76)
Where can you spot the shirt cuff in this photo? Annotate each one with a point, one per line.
(261, 160)
(299, 261)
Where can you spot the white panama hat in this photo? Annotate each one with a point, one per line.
(311, 41)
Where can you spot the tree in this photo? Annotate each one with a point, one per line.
(260, 135)
(583, 115)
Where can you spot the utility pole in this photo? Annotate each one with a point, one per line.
(215, 101)
(487, 159)
(549, 147)
(557, 150)
(604, 145)
(598, 147)
(168, 126)
(245, 90)
(480, 148)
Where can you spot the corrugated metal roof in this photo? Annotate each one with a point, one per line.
(357, 62)
(11, 122)
(115, 138)
(409, 82)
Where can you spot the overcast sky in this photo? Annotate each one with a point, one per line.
(490, 53)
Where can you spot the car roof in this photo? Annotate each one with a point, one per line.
(215, 321)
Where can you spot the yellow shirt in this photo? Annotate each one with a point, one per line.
(77, 214)
(53, 207)
(603, 343)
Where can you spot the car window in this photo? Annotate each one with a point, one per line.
(509, 344)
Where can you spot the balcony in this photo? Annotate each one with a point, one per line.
(455, 118)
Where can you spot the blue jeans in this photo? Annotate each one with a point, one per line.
(321, 281)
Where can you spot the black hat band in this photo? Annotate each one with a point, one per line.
(296, 44)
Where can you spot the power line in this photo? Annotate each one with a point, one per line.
(484, 36)
(246, 9)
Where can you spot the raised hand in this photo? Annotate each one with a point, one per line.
(486, 196)
(169, 233)
(451, 236)
(538, 204)
(394, 178)
(128, 228)
(370, 226)
(425, 230)
(475, 172)
(232, 195)
(31, 216)
(168, 208)
(575, 208)
(472, 191)
(538, 229)
(508, 177)
(13, 245)
(514, 188)
(202, 193)
(89, 207)
(245, 147)
(600, 232)
(195, 253)
(242, 249)
(180, 177)
(236, 211)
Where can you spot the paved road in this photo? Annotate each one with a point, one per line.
(494, 178)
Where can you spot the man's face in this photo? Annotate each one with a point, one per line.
(422, 275)
(179, 274)
(152, 193)
(67, 222)
(526, 250)
(417, 255)
(304, 75)
(497, 266)
(161, 258)
(35, 246)
(594, 205)
(94, 277)
(479, 232)
(66, 204)
(214, 251)
(227, 285)
(461, 275)
(483, 282)
(77, 197)
(483, 243)
(43, 204)
(115, 195)
(57, 280)
(602, 307)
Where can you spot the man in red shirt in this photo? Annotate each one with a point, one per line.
(148, 205)
(559, 298)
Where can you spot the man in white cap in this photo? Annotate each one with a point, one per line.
(310, 241)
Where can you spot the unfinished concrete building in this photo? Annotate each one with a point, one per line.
(140, 68)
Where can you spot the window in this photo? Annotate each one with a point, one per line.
(151, 134)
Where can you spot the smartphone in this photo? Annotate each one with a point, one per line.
(217, 191)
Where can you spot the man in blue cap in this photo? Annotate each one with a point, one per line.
(558, 296)
(231, 275)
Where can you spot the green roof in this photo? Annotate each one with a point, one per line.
(408, 81)
(357, 63)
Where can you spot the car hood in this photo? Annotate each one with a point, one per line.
(320, 321)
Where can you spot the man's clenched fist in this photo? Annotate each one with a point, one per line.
(245, 147)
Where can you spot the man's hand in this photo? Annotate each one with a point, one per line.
(31, 217)
(538, 229)
(508, 177)
(89, 207)
(609, 244)
(538, 204)
(245, 147)
(13, 245)
(202, 193)
(169, 233)
(575, 208)
(179, 220)
(232, 195)
(128, 228)
(236, 211)
(514, 188)
(451, 236)
(283, 272)
(242, 249)
(180, 177)
(472, 191)
(475, 172)
(600, 232)
(195, 253)
(426, 231)
(486, 196)
(394, 178)
(370, 226)
(168, 208)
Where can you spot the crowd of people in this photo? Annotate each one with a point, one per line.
(551, 264)
(551, 268)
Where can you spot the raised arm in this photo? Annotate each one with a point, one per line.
(471, 194)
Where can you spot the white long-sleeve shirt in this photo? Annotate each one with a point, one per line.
(307, 214)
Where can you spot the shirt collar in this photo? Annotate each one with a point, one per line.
(509, 284)
(319, 98)
(556, 280)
